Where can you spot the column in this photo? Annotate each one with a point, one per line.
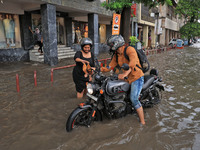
(162, 37)
(93, 29)
(167, 37)
(68, 26)
(27, 37)
(48, 15)
(153, 37)
(136, 30)
(145, 35)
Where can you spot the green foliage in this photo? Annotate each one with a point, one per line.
(133, 40)
(189, 9)
(118, 5)
(190, 30)
(153, 3)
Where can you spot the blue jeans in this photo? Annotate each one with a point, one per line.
(136, 88)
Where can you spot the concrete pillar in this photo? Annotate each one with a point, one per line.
(132, 28)
(167, 37)
(49, 33)
(176, 35)
(136, 30)
(170, 34)
(93, 29)
(26, 35)
(162, 37)
(68, 26)
(153, 37)
(145, 35)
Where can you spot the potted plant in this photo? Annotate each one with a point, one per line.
(133, 41)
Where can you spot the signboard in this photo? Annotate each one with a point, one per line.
(158, 28)
(116, 24)
(133, 10)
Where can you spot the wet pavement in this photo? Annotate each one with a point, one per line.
(35, 118)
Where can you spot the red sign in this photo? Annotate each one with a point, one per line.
(133, 10)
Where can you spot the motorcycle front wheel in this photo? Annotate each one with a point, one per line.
(80, 117)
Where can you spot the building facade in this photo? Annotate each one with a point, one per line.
(170, 23)
(156, 25)
(146, 26)
(62, 22)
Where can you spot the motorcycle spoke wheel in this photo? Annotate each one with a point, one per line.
(156, 97)
(81, 119)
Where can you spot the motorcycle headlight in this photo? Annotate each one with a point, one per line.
(90, 88)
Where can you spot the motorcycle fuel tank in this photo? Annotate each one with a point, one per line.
(117, 86)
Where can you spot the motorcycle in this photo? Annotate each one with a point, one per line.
(109, 97)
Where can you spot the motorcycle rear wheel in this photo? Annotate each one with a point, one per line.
(152, 100)
(80, 117)
(156, 96)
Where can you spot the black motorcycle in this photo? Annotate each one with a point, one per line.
(109, 97)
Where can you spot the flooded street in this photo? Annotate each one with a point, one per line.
(35, 118)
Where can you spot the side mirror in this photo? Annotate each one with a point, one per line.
(125, 67)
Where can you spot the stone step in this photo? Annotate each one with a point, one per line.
(67, 56)
(41, 58)
(62, 54)
(58, 46)
(59, 58)
(59, 52)
(64, 48)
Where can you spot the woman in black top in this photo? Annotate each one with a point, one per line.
(83, 58)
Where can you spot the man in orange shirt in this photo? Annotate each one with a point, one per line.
(134, 74)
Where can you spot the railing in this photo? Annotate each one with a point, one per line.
(68, 66)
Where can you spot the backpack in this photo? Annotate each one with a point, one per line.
(142, 58)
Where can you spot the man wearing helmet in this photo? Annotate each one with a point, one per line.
(83, 59)
(135, 75)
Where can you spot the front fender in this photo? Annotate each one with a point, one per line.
(84, 106)
(87, 106)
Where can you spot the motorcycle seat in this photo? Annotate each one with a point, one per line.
(148, 80)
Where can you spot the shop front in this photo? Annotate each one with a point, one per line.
(79, 31)
(59, 24)
(60, 27)
(9, 31)
(10, 38)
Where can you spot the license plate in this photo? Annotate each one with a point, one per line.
(92, 97)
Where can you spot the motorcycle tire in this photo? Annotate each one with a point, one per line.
(79, 117)
(149, 102)
(156, 96)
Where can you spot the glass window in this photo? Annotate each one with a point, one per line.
(60, 27)
(36, 22)
(9, 31)
(61, 34)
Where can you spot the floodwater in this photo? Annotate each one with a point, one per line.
(35, 118)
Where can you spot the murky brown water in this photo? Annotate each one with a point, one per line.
(35, 119)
